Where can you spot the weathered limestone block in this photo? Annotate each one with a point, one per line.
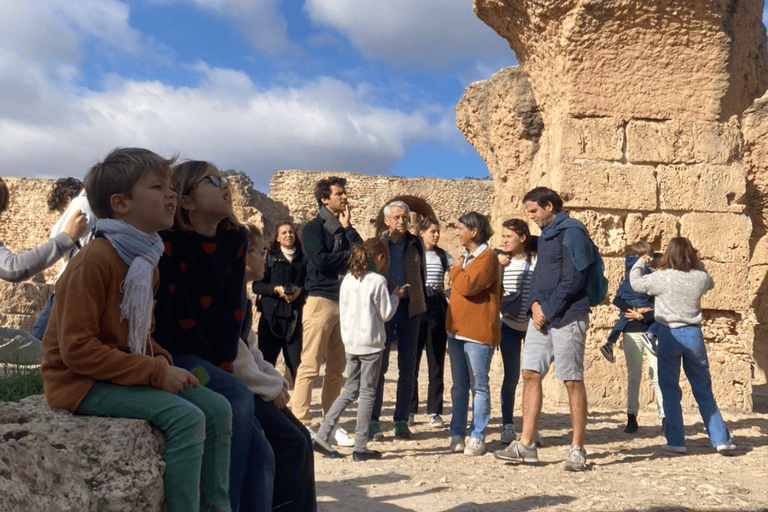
(501, 120)
(656, 228)
(701, 188)
(675, 142)
(28, 208)
(53, 460)
(731, 283)
(721, 237)
(605, 229)
(623, 187)
(20, 302)
(591, 138)
(627, 59)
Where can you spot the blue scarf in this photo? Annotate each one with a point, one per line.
(140, 252)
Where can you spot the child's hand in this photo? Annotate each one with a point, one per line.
(458, 262)
(503, 259)
(281, 400)
(178, 379)
(647, 258)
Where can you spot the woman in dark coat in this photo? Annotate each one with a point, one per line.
(281, 297)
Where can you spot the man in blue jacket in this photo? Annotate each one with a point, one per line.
(559, 310)
(325, 240)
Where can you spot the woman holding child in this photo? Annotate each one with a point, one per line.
(677, 286)
(199, 317)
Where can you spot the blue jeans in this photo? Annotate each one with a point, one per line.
(406, 331)
(38, 329)
(252, 461)
(687, 344)
(470, 364)
(511, 341)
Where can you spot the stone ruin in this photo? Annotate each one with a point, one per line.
(649, 119)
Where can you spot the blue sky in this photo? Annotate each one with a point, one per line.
(254, 85)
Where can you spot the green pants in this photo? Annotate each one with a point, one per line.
(197, 424)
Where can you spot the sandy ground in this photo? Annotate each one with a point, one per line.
(626, 472)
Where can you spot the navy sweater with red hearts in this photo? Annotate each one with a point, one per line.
(201, 297)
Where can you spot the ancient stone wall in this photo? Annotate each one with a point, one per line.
(635, 112)
(368, 194)
(26, 223)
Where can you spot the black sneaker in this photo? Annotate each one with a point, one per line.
(365, 455)
(607, 352)
(325, 451)
(631, 427)
(402, 431)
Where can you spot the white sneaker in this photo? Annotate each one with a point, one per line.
(475, 448)
(339, 437)
(508, 433)
(726, 449)
(674, 449)
(457, 444)
(436, 421)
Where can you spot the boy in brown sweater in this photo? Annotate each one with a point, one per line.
(98, 356)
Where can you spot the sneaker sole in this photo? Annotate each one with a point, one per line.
(524, 460)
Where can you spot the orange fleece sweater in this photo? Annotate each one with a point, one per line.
(473, 311)
(86, 341)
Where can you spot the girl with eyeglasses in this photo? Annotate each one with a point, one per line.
(199, 313)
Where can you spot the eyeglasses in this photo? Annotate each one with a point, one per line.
(216, 181)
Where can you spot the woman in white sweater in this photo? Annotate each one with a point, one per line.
(364, 305)
(678, 286)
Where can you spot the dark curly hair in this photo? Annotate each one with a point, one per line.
(64, 190)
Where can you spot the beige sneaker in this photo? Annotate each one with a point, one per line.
(457, 444)
(475, 448)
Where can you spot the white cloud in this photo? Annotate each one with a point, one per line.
(51, 125)
(321, 124)
(433, 33)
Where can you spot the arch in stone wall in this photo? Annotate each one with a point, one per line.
(419, 207)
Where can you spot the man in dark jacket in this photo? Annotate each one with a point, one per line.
(559, 309)
(406, 267)
(325, 240)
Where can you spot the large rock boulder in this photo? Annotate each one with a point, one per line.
(51, 460)
(647, 117)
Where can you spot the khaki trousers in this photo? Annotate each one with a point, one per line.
(321, 344)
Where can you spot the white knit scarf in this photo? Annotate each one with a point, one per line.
(140, 252)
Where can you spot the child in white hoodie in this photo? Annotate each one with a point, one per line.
(364, 305)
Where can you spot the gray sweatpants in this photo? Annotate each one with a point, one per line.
(362, 378)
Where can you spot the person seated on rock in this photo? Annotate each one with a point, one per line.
(67, 197)
(294, 488)
(21, 266)
(99, 358)
(199, 318)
